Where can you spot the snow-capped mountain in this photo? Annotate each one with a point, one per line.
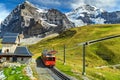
(29, 20)
(87, 14)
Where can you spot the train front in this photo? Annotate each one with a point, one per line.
(49, 58)
(50, 61)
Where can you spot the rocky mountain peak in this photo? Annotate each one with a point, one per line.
(29, 20)
(87, 14)
(87, 7)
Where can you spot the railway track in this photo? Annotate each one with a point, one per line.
(56, 74)
(59, 74)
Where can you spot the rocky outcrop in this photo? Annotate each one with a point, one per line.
(111, 17)
(28, 20)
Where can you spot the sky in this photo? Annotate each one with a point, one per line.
(6, 6)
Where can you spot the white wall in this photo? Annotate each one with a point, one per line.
(11, 59)
(11, 48)
(17, 41)
(25, 60)
(3, 59)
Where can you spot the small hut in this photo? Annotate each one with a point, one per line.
(12, 52)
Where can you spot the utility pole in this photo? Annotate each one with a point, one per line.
(83, 54)
(92, 42)
(53, 47)
(64, 56)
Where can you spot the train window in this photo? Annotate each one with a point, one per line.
(51, 59)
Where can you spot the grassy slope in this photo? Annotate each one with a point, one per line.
(99, 54)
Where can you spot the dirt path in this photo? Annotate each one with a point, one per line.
(42, 71)
(33, 40)
(116, 65)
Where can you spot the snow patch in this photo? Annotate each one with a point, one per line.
(82, 15)
(46, 24)
(98, 20)
(78, 22)
(83, 11)
(34, 40)
(41, 10)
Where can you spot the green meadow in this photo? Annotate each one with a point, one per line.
(103, 53)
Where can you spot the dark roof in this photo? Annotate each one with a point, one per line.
(10, 38)
(23, 51)
(11, 34)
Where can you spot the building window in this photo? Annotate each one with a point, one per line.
(6, 51)
(22, 59)
(4, 58)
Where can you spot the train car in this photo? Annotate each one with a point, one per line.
(48, 58)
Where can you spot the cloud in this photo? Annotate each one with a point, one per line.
(109, 5)
(3, 12)
(47, 2)
(77, 3)
(104, 4)
(62, 5)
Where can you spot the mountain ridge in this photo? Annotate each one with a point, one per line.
(87, 14)
(29, 20)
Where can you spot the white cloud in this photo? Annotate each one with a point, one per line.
(77, 3)
(109, 5)
(47, 2)
(105, 4)
(3, 12)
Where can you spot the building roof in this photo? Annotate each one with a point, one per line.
(11, 34)
(10, 38)
(22, 51)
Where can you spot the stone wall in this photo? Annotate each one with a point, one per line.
(22, 60)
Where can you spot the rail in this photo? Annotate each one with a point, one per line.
(59, 74)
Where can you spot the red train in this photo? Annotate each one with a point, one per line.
(48, 58)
